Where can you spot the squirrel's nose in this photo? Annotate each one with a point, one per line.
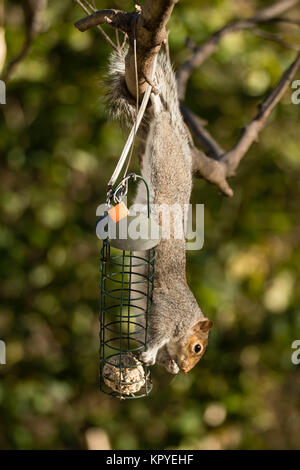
(185, 367)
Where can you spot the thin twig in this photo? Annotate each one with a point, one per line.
(117, 38)
(106, 37)
(32, 12)
(91, 7)
(250, 133)
(124, 41)
(205, 50)
(273, 37)
(290, 21)
(274, 10)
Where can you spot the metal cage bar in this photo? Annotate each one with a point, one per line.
(126, 285)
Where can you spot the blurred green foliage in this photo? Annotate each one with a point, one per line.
(57, 152)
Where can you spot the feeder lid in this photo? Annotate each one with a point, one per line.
(134, 233)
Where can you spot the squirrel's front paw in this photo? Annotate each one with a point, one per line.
(148, 358)
(172, 367)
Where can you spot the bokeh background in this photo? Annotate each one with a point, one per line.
(58, 150)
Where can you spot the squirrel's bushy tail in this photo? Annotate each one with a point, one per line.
(122, 105)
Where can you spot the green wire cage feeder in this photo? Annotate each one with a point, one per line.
(127, 281)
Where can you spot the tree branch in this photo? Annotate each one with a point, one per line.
(217, 171)
(148, 25)
(32, 12)
(268, 13)
(201, 136)
(205, 50)
(2, 37)
(115, 18)
(211, 170)
(250, 133)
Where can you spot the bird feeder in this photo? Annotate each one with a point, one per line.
(127, 281)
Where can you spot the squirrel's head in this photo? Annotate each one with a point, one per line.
(188, 353)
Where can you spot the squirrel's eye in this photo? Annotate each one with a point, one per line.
(197, 348)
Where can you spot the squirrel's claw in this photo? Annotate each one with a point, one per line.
(148, 358)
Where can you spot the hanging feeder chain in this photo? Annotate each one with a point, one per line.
(121, 190)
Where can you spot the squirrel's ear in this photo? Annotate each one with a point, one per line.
(204, 325)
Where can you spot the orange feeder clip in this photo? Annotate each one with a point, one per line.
(118, 212)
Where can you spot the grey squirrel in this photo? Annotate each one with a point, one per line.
(178, 330)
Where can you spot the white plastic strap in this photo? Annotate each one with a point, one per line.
(134, 129)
